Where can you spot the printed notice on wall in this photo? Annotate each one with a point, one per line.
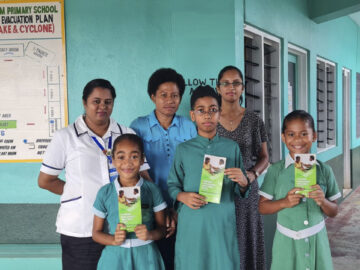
(33, 78)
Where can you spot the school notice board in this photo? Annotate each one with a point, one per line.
(33, 103)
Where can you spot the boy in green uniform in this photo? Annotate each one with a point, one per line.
(206, 232)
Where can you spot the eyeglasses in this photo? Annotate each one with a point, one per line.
(234, 84)
(210, 112)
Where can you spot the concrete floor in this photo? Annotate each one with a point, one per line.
(344, 233)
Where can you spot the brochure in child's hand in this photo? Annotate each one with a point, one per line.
(129, 207)
(305, 172)
(212, 177)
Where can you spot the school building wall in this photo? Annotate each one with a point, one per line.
(125, 41)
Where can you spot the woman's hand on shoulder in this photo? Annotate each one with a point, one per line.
(292, 198)
(120, 234)
(191, 199)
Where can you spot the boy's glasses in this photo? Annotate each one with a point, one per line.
(234, 84)
(210, 112)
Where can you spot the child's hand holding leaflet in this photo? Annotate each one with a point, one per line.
(120, 234)
(293, 198)
(317, 195)
(191, 199)
(236, 175)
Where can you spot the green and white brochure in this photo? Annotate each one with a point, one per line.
(305, 172)
(212, 178)
(129, 207)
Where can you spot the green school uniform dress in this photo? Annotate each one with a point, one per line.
(300, 240)
(206, 237)
(134, 253)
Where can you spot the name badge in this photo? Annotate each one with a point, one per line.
(113, 173)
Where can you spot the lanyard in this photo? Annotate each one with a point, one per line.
(106, 152)
(112, 171)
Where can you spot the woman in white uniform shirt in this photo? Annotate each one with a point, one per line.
(82, 149)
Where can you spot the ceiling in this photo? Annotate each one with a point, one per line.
(356, 17)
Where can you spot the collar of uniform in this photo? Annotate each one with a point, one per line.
(81, 127)
(289, 160)
(117, 184)
(153, 121)
(207, 141)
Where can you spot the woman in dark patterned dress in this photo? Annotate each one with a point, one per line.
(247, 129)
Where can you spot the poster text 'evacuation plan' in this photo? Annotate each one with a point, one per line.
(33, 80)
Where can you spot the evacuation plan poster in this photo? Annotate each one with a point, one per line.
(33, 90)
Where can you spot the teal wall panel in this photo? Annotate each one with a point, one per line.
(355, 142)
(18, 184)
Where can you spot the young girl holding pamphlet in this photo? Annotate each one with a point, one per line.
(129, 243)
(206, 232)
(301, 240)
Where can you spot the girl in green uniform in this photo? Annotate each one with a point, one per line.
(134, 250)
(206, 232)
(301, 240)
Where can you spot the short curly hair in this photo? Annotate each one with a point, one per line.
(164, 75)
(204, 91)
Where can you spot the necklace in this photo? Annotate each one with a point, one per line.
(236, 118)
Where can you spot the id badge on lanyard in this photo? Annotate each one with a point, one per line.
(113, 174)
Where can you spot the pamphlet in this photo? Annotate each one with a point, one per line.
(305, 172)
(212, 177)
(129, 207)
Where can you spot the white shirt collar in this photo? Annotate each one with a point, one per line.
(289, 160)
(117, 185)
(81, 127)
